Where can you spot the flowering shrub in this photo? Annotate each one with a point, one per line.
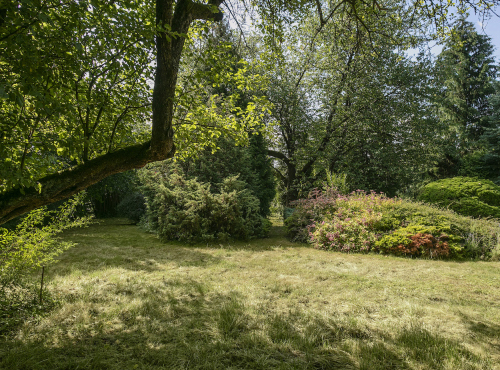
(351, 225)
(420, 241)
(332, 221)
(309, 211)
(363, 222)
(345, 235)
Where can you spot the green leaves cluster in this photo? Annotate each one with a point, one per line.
(74, 78)
(348, 100)
(219, 93)
(33, 242)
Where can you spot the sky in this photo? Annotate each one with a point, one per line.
(490, 27)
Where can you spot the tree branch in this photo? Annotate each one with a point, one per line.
(64, 184)
(278, 155)
(61, 185)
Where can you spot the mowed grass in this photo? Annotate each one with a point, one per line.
(129, 301)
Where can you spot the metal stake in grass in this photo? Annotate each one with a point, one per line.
(41, 285)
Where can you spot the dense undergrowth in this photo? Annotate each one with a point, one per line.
(362, 222)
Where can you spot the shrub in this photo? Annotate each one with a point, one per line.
(33, 243)
(133, 207)
(420, 241)
(465, 195)
(308, 211)
(361, 222)
(186, 210)
(343, 234)
(349, 225)
(477, 238)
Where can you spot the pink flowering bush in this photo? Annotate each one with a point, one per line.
(345, 235)
(368, 222)
(350, 225)
(332, 221)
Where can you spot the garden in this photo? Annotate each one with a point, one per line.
(236, 184)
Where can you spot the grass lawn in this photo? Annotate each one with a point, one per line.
(129, 301)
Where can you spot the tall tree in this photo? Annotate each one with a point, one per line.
(355, 106)
(467, 71)
(490, 162)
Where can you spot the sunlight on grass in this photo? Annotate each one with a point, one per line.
(129, 301)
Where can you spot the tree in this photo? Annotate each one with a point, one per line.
(467, 71)
(250, 163)
(347, 107)
(491, 159)
(45, 34)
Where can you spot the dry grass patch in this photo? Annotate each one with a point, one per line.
(130, 301)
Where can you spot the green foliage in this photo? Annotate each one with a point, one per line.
(263, 182)
(361, 222)
(33, 242)
(468, 69)
(187, 210)
(341, 109)
(219, 94)
(337, 181)
(250, 163)
(465, 195)
(296, 224)
(466, 237)
(73, 84)
(466, 72)
(490, 162)
(132, 206)
(106, 195)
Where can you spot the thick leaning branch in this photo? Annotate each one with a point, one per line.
(278, 155)
(169, 49)
(64, 184)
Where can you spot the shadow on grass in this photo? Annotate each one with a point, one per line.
(188, 331)
(128, 247)
(116, 243)
(486, 332)
(183, 327)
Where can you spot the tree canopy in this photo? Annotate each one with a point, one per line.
(77, 99)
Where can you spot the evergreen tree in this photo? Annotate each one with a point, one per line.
(263, 182)
(249, 163)
(491, 160)
(467, 71)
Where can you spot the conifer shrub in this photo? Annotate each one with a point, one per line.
(184, 209)
(250, 163)
(467, 196)
(369, 222)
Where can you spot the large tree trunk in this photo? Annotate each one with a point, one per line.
(161, 146)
